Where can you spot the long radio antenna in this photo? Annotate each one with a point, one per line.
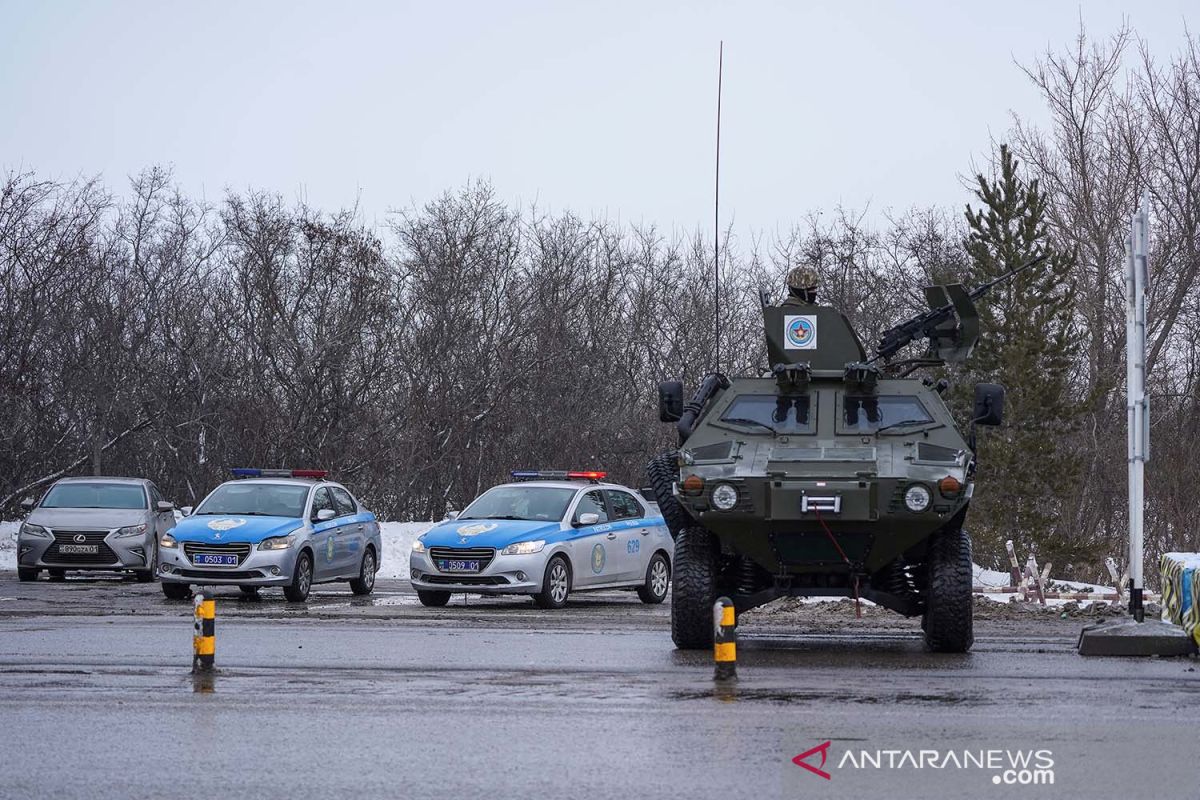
(717, 215)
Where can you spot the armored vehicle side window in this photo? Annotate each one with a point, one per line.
(865, 414)
(592, 503)
(791, 414)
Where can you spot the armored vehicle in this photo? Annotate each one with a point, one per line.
(830, 475)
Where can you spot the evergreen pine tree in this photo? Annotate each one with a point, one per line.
(1029, 343)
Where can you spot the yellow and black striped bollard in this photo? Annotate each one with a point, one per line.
(204, 640)
(724, 640)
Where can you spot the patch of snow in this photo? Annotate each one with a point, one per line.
(8, 544)
(398, 539)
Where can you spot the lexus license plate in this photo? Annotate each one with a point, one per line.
(83, 549)
(453, 565)
(215, 559)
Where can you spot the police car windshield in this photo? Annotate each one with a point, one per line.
(543, 503)
(256, 500)
(95, 495)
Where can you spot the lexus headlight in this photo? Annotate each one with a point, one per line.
(167, 541)
(29, 529)
(277, 542)
(917, 498)
(524, 548)
(724, 497)
(418, 546)
(131, 530)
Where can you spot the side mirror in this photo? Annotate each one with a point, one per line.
(670, 401)
(185, 510)
(324, 515)
(451, 515)
(989, 404)
(588, 518)
(28, 504)
(164, 507)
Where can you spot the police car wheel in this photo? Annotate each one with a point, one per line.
(365, 582)
(26, 574)
(556, 585)
(433, 598)
(297, 591)
(658, 578)
(177, 591)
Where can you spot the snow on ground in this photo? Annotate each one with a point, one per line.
(8, 544)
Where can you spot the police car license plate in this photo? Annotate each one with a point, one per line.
(215, 559)
(451, 565)
(79, 548)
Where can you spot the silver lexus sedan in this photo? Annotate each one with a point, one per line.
(106, 524)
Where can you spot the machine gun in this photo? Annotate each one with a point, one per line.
(951, 324)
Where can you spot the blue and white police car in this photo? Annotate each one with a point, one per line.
(287, 528)
(547, 534)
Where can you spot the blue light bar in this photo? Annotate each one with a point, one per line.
(246, 472)
(255, 472)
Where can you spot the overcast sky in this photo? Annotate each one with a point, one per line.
(606, 109)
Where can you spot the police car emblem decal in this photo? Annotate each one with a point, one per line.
(475, 530)
(226, 524)
(598, 559)
(800, 332)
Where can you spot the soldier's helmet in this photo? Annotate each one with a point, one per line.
(802, 279)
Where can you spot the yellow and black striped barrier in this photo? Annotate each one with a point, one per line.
(204, 638)
(724, 640)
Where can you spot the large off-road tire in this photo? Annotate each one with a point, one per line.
(693, 588)
(662, 472)
(948, 622)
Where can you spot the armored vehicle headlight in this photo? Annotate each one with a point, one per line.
(693, 484)
(917, 498)
(724, 496)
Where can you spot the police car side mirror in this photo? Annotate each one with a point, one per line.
(451, 515)
(670, 401)
(324, 515)
(28, 503)
(186, 511)
(989, 404)
(587, 519)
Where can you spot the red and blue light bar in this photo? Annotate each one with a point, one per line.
(557, 475)
(255, 472)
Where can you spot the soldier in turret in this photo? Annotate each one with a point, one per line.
(802, 286)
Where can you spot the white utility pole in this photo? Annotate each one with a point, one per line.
(1137, 249)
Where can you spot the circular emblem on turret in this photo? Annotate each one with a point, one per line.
(800, 332)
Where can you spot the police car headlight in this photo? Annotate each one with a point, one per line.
(418, 546)
(131, 530)
(917, 498)
(724, 497)
(29, 529)
(524, 548)
(277, 543)
(167, 541)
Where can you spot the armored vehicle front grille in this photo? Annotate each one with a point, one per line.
(823, 454)
(239, 549)
(483, 555)
(104, 554)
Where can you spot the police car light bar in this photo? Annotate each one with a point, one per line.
(254, 472)
(556, 475)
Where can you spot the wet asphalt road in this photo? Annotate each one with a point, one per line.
(380, 697)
